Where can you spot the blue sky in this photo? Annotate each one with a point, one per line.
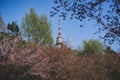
(15, 9)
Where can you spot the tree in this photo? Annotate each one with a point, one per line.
(37, 28)
(35, 63)
(78, 51)
(112, 60)
(104, 12)
(92, 47)
(2, 25)
(13, 28)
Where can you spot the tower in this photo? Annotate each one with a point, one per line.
(59, 40)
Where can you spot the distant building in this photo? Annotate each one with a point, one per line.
(59, 40)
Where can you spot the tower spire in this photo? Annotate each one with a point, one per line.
(59, 20)
(70, 41)
(59, 40)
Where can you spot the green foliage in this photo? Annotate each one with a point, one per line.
(78, 51)
(37, 28)
(14, 28)
(92, 47)
(108, 50)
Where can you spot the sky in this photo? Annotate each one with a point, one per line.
(14, 10)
